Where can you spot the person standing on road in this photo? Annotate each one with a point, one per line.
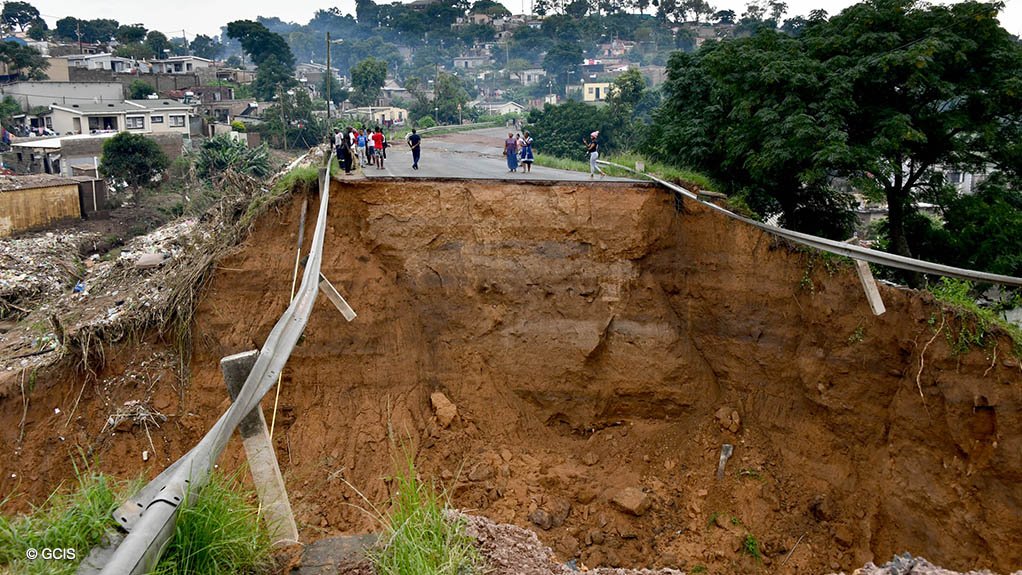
(361, 145)
(378, 146)
(593, 149)
(370, 148)
(527, 158)
(413, 142)
(511, 152)
(345, 151)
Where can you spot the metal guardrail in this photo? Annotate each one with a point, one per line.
(841, 248)
(151, 514)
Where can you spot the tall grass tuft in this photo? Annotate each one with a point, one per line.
(67, 520)
(219, 535)
(418, 538)
(687, 178)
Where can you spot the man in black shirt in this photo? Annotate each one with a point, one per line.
(413, 143)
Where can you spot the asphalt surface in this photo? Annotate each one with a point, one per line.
(470, 155)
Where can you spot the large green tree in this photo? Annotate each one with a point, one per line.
(134, 33)
(133, 159)
(206, 47)
(918, 87)
(18, 14)
(158, 43)
(260, 43)
(367, 78)
(271, 78)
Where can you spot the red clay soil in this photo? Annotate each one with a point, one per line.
(598, 347)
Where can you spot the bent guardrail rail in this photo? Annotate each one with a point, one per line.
(840, 248)
(150, 516)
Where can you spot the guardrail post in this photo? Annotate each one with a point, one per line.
(262, 460)
(869, 285)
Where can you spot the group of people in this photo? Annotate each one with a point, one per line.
(367, 147)
(518, 150)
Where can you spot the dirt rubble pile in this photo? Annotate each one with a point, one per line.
(571, 358)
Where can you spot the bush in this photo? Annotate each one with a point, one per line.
(134, 159)
(425, 122)
(239, 126)
(222, 153)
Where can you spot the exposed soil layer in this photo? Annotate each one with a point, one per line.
(594, 348)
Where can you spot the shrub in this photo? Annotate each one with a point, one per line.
(222, 153)
(239, 126)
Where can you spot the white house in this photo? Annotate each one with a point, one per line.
(103, 61)
(500, 108)
(180, 65)
(530, 76)
(143, 116)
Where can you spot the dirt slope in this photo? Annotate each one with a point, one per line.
(599, 348)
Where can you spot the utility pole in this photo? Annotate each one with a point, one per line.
(184, 38)
(283, 123)
(329, 80)
(436, 95)
(78, 31)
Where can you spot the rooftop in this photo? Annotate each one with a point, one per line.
(162, 104)
(28, 182)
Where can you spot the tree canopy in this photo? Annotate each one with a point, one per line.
(367, 78)
(19, 14)
(133, 159)
(260, 43)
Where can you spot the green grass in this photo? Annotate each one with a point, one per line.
(304, 178)
(418, 538)
(698, 569)
(67, 520)
(220, 535)
(687, 178)
(975, 325)
(750, 546)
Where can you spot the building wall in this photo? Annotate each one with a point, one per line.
(167, 126)
(589, 91)
(161, 82)
(22, 210)
(34, 94)
(58, 70)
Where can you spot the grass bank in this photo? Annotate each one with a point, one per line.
(687, 178)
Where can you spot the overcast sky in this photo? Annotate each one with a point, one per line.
(207, 16)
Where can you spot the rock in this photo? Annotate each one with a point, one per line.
(595, 537)
(844, 536)
(590, 458)
(821, 508)
(540, 518)
(568, 546)
(631, 500)
(559, 511)
(728, 419)
(586, 494)
(505, 454)
(443, 408)
(480, 472)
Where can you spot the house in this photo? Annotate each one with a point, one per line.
(500, 108)
(616, 48)
(43, 94)
(131, 115)
(529, 76)
(656, 75)
(595, 91)
(35, 201)
(235, 75)
(383, 116)
(104, 61)
(391, 90)
(180, 65)
(470, 62)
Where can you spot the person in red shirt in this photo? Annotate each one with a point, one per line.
(378, 141)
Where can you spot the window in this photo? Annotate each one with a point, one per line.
(177, 121)
(135, 123)
(590, 90)
(156, 119)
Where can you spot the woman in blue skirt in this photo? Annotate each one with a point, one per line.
(511, 151)
(527, 151)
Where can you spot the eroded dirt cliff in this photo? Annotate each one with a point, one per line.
(599, 346)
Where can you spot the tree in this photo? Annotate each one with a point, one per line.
(724, 17)
(222, 153)
(559, 130)
(562, 60)
(25, 60)
(130, 34)
(367, 78)
(489, 7)
(140, 89)
(932, 88)
(451, 98)
(272, 76)
(627, 89)
(134, 159)
(158, 43)
(136, 51)
(330, 85)
(38, 30)
(20, 14)
(205, 47)
(260, 44)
